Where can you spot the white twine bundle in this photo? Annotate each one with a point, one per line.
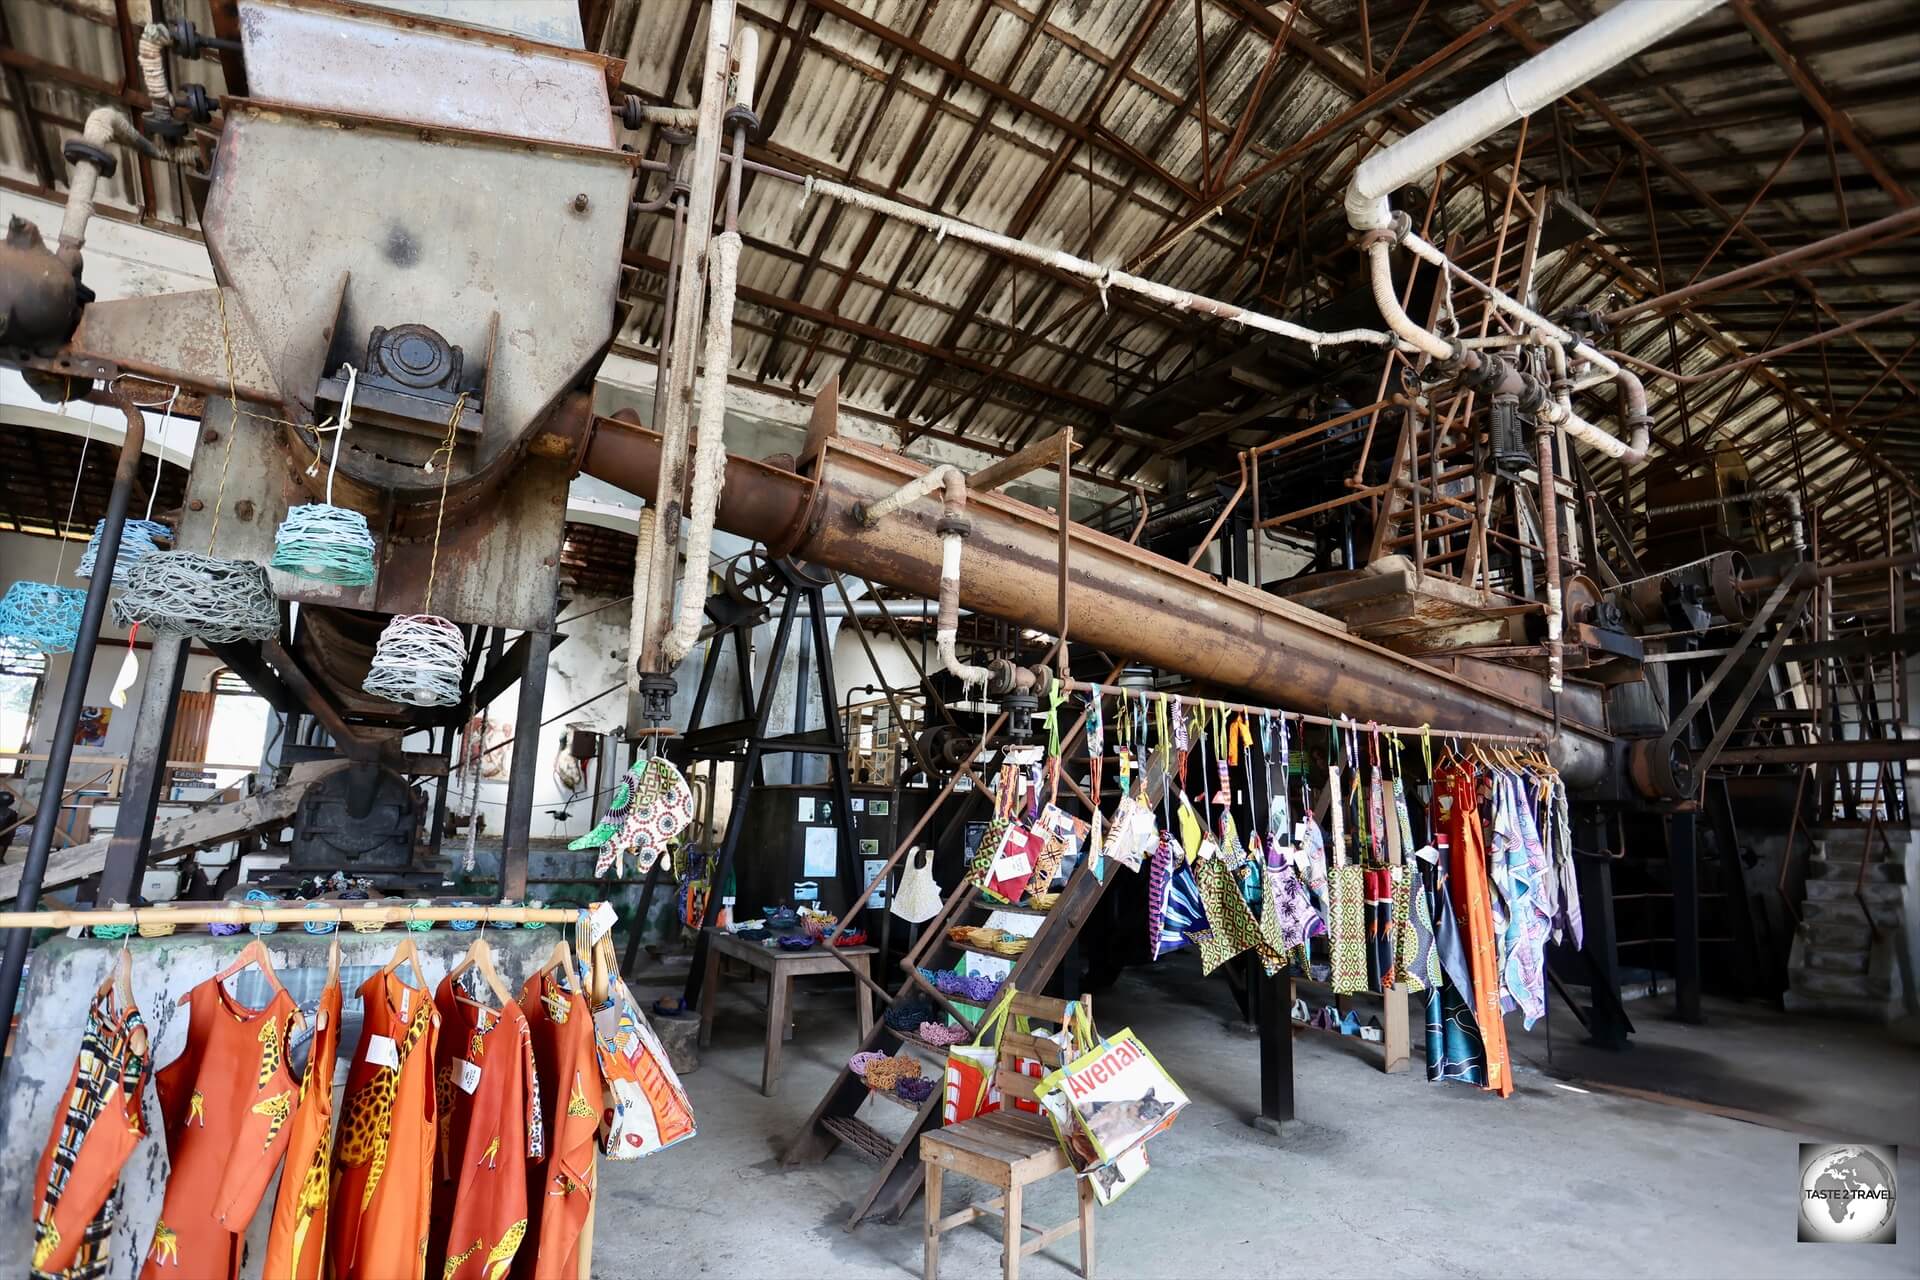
(179, 593)
(420, 660)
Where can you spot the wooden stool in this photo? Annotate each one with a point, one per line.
(1007, 1149)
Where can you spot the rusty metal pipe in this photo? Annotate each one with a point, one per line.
(953, 530)
(1124, 600)
(33, 870)
(1905, 223)
(1550, 548)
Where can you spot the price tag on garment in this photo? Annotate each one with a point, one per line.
(469, 1078)
(1017, 863)
(1207, 849)
(600, 922)
(383, 1052)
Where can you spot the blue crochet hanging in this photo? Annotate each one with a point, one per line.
(40, 617)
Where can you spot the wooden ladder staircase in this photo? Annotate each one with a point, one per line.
(836, 1120)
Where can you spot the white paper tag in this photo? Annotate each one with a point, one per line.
(1208, 849)
(1300, 832)
(469, 1079)
(600, 922)
(383, 1052)
(1017, 863)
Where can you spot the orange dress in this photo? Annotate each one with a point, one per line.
(225, 1102)
(560, 1187)
(1473, 903)
(96, 1128)
(296, 1246)
(489, 1104)
(383, 1153)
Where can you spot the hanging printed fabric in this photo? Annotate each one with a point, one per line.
(560, 1187)
(297, 1242)
(644, 1107)
(1516, 868)
(1473, 897)
(1570, 915)
(1173, 902)
(380, 1206)
(226, 1101)
(1346, 899)
(1407, 963)
(984, 853)
(77, 1198)
(487, 1095)
(1134, 833)
(650, 809)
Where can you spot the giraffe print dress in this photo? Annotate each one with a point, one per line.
(488, 1100)
(382, 1192)
(296, 1246)
(225, 1102)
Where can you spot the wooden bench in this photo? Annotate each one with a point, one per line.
(1007, 1149)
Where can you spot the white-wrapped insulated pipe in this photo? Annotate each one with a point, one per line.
(104, 127)
(1102, 277)
(1606, 42)
(642, 593)
(710, 446)
(155, 40)
(952, 482)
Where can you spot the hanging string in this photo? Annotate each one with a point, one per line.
(421, 658)
(233, 422)
(73, 499)
(160, 458)
(446, 474)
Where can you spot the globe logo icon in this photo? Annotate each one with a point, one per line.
(1847, 1194)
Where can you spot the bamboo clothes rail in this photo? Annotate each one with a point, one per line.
(230, 914)
(1247, 708)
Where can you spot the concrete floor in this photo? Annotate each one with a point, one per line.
(1382, 1175)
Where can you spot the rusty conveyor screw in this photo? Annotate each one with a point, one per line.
(196, 505)
(209, 436)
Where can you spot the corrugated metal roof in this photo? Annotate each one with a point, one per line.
(1078, 125)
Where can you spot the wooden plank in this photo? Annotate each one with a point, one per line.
(1018, 1044)
(1015, 1084)
(215, 824)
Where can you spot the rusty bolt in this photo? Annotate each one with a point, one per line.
(209, 436)
(244, 508)
(580, 203)
(196, 505)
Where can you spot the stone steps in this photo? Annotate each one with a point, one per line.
(1836, 959)
(1853, 986)
(1877, 895)
(1847, 870)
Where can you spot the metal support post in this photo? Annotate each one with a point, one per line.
(1683, 857)
(60, 751)
(146, 767)
(526, 753)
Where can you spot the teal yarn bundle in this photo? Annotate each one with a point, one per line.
(326, 544)
(138, 540)
(40, 617)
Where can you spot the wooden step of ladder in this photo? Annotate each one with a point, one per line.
(834, 1121)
